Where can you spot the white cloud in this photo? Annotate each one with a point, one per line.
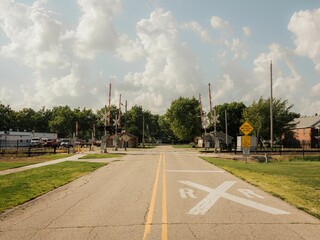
(305, 25)
(219, 24)
(63, 61)
(316, 89)
(129, 50)
(238, 48)
(246, 31)
(199, 30)
(5, 95)
(34, 34)
(95, 31)
(171, 69)
(224, 86)
(38, 40)
(287, 82)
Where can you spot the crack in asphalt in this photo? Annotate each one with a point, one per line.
(169, 224)
(193, 234)
(60, 215)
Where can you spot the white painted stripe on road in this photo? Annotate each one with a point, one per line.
(205, 204)
(255, 205)
(196, 171)
(216, 193)
(198, 186)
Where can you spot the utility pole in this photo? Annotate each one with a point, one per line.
(271, 108)
(105, 121)
(210, 101)
(125, 119)
(226, 122)
(215, 119)
(200, 103)
(109, 106)
(125, 124)
(120, 111)
(213, 113)
(142, 130)
(203, 118)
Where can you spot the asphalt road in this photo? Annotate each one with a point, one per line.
(162, 193)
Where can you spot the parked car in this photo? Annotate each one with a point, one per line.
(35, 142)
(79, 142)
(65, 142)
(47, 142)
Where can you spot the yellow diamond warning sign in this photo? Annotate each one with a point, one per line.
(246, 128)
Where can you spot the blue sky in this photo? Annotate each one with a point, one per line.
(66, 52)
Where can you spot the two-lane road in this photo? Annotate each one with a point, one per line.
(162, 193)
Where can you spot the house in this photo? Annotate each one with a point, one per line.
(306, 133)
(132, 141)
(209, 140)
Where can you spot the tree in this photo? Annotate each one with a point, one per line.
(63, 121)
(166, 133)
(258, 115)
(42, 119)
(7, 118)
(184, 118)
(234, 117)
(135, 118)
(26, 120)
(85, 119)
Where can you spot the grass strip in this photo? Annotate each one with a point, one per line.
(49, 157)
(9, 163)
(298, 183)
(17, 188)
(101, 155)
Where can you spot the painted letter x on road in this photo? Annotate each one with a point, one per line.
(216, 193)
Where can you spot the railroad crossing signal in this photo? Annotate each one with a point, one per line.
(104, 118)
(116, 122)
(246, 128)
(215, 119)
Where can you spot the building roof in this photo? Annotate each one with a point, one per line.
(307, 122)
(122, 134)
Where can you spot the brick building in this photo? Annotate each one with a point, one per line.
(307, 131)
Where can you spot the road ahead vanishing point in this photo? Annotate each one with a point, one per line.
(163, 193)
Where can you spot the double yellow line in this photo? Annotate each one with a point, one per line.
(164, 225)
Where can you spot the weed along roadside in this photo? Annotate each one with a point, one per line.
(296, 182)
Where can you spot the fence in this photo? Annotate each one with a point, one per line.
(22, 148)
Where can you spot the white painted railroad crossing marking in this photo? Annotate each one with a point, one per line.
(216, 193)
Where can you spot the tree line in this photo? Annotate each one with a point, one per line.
(180, 123)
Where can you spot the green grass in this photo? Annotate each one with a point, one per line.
(17, 188)
(101, 155)
(298, 183)
(305, 158)
(55, 156)
(9, 163)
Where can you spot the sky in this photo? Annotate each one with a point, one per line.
(58, 52)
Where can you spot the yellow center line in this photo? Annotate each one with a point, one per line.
(147, 228)
(164, 202)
